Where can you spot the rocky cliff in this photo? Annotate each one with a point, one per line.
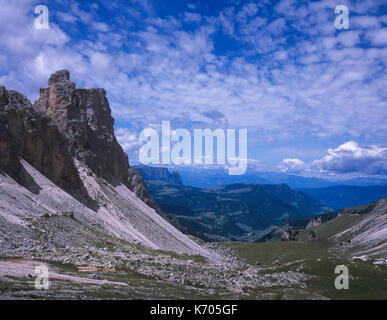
(84, 117)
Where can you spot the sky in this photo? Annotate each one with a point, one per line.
(312, 97)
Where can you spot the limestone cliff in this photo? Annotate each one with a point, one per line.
(84, 117)
(29, 134)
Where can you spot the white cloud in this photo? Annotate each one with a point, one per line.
(378, 37)
(349, 38)
(100, 26)
(127, 139)
(292, 165)
(192, 17)
(364, 22)
(66, 17)
(350, 157)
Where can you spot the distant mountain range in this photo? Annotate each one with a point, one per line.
(340, 197)
(159, 173)
(211, 178)
(232, 211)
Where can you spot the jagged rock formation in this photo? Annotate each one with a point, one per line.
(159, 174)
(29, 134)
(137, 184)
(84, 117)
(290, 235)
(315, 222)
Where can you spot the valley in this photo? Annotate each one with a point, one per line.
(232, 212)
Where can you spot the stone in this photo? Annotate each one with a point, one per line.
(94, 276)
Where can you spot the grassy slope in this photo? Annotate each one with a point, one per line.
(367, 281)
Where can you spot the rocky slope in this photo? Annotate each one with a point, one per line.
(367, 235)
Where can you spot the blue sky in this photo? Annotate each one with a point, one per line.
(313, 98)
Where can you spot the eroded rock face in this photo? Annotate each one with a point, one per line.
(29, 134)
(84, 116)
(137, 184)
(315, 222)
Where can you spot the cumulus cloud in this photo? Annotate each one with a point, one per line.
(127, 139)
(347, 158)
(350, 157)
(292, 165)
(378, 37)
(364, 22)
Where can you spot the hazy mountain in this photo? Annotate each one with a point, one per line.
(340, 197)
(211, 178)
(159, 173)
(230, 212)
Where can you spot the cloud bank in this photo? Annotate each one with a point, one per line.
(347, 158)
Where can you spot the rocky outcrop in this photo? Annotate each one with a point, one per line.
(140, 189)
(84, 117)
(315, 222)
(137, 184)
(29, 134)
(159, 174)
(289, 235)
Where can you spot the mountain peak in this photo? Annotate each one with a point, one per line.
(59, 76)
(84, 117)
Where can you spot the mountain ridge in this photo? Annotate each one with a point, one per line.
(159, 173)
(345, 196)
